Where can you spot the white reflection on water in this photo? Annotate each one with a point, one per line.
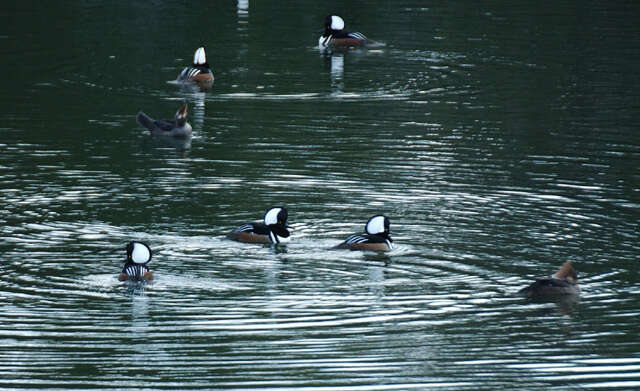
(243, 8)
(337, 72)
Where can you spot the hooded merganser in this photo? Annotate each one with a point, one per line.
(179, 127)
(273, 230)
(563, 282)
(135, 266)
(376, 237)
(334, 35)
(200, 72)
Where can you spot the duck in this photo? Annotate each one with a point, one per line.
(199, 73)
(335, 35)
(135, 265)
(272, 230)
(376, 237)
(178, 127)
(563, 283)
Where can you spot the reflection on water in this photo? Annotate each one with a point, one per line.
(197, 100)
(243, 8)
(497, 158)
(337, 71)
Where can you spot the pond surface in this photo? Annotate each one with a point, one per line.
(500, 139)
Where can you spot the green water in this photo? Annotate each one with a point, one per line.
(501, 139)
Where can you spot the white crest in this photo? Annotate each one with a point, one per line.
(375, 225)
(271, 217)
(140, 253)
(199, 57)
(336, 23)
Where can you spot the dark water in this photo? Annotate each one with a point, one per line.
(501, 140)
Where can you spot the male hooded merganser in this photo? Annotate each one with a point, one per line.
(273, 230)
(179, 127)
(135, 266)
(334, 35)
(376, 237)
(200, 72)
(563, 282)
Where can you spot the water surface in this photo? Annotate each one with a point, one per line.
(501, 140)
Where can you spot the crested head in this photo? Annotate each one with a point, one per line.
(138, 252)
(275, 216)
(199, 57)
(377, 225)
(337, 23)
(182, 112)
(566, 272)
(333, 22)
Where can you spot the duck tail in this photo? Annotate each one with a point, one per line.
(144, 120)
(566, 270)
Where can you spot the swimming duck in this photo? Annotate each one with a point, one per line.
(179, 127)
(200, 72)
(334, 35)
(563, 282)
(135, 266)
(376, 237)
(271, 230)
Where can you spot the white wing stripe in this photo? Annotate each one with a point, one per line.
(244, 228)
(357, 36)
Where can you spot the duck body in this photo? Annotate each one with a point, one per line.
(178, 127)
(271, 231)
(366, 242)
(133, 272)
(199, 73)
(335, 36)
(136, 267)
(563, 283)
(375, 238)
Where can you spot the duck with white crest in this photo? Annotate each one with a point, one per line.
(136, 264)
(199, 72)
(376, 236)
(335, 35)
(272, 229)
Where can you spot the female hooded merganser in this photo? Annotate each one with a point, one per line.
(376, 237)
(273, 230)
(200, 72)
(335, 36)
(135, 266)
(564, 282)
(179, 127)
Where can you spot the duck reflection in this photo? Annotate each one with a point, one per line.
(139, 315)
(565, 305)
(243, 8)
(335, 62)
(182, 145)
(198, 99)
(337, 72)
(138, 331)
(376, 281)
